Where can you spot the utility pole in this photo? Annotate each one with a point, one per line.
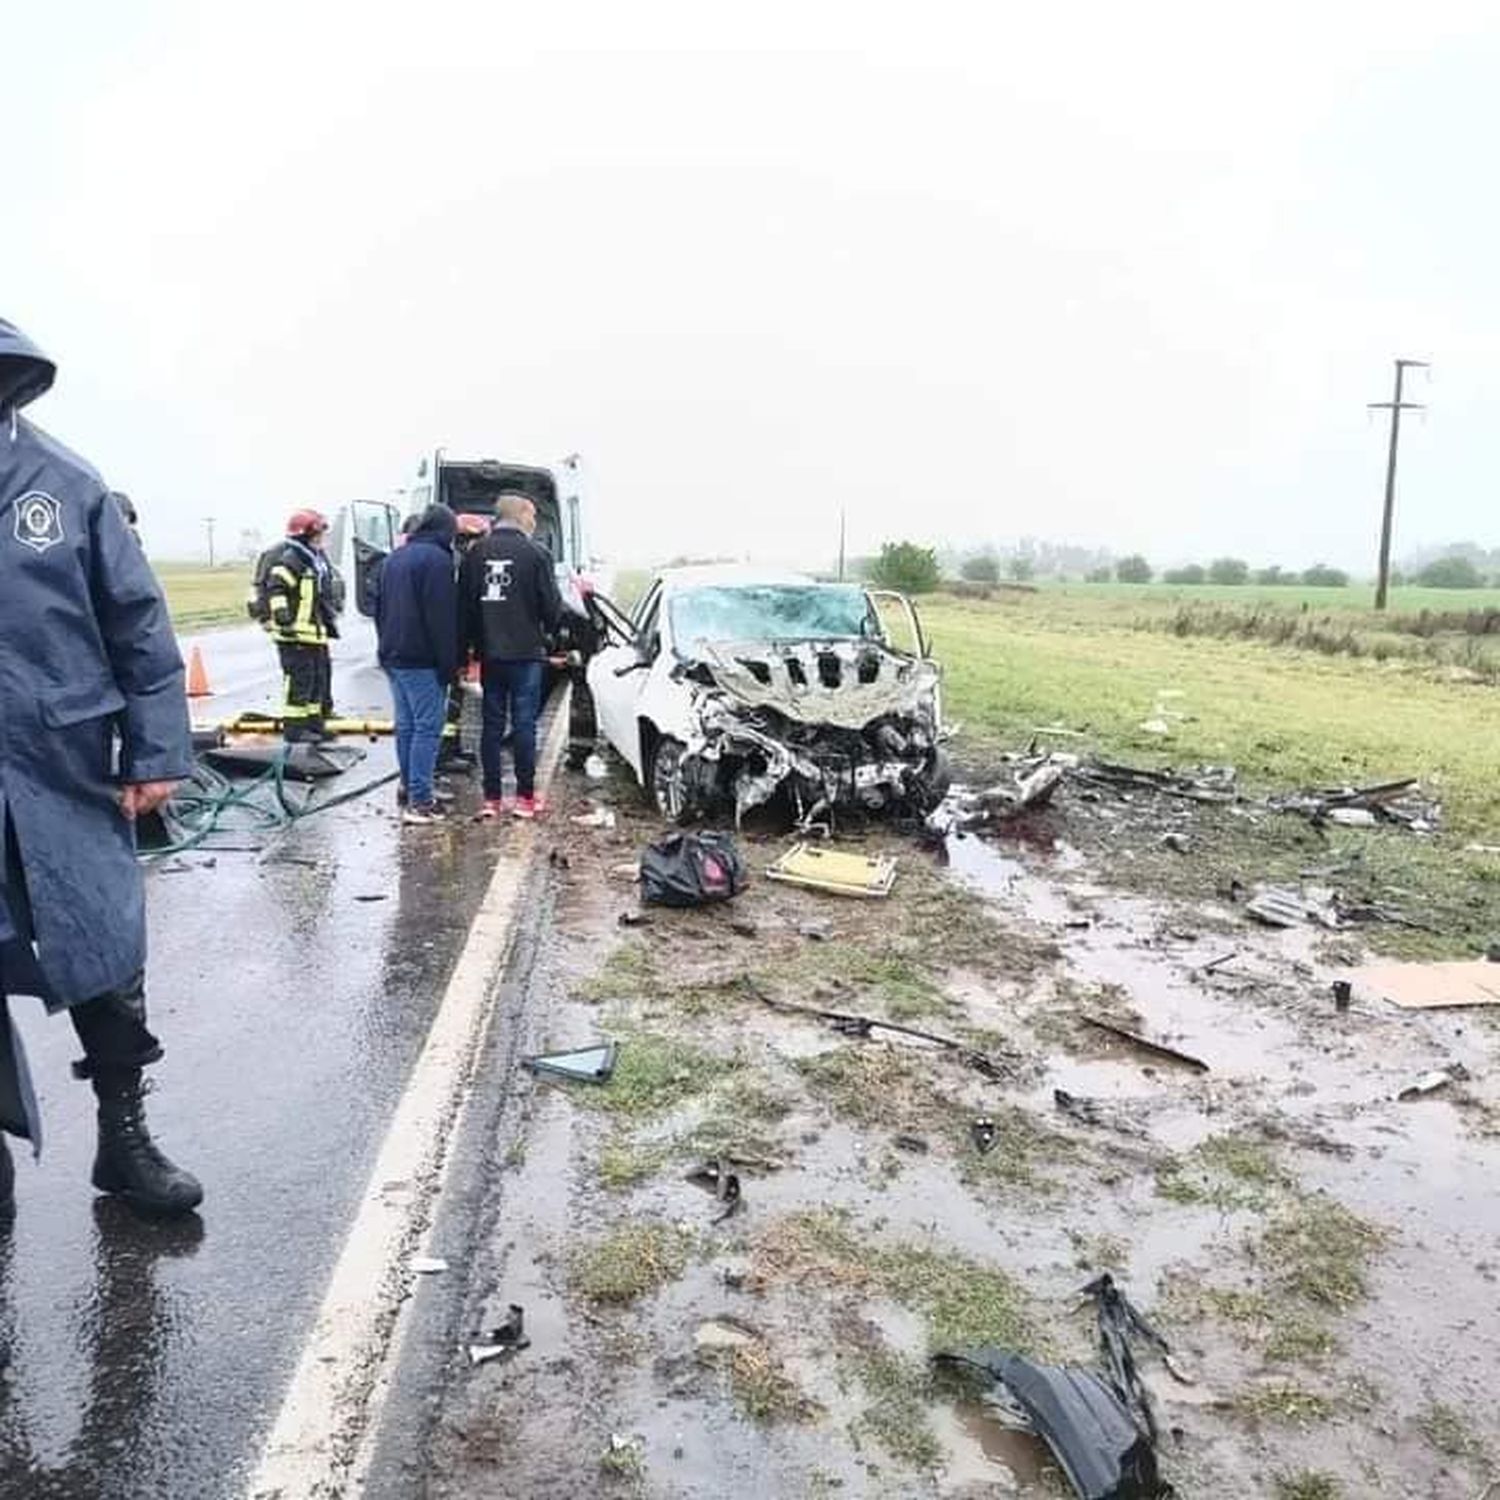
(843, 518)
(208, 521)
(1395, 406)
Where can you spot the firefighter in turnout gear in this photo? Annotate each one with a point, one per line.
(301, 619)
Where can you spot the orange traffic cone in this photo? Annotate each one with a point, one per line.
(197, 677)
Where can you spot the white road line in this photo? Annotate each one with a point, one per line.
(341, 1378)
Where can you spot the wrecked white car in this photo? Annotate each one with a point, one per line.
(729, 687)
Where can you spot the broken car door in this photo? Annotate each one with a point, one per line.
(617, 675)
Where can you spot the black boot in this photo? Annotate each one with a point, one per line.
(128, 1162)
(7, 1184)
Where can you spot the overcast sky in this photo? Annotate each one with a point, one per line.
(1105, 273)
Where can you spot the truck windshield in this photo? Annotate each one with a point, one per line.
(771, 612)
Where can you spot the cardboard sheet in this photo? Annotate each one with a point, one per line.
(1432, 986)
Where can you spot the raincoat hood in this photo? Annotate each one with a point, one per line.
(25, 372)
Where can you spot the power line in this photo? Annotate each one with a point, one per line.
(1395, 406)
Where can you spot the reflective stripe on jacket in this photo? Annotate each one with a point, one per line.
(299, 613)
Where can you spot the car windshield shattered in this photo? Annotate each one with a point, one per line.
(770, 612)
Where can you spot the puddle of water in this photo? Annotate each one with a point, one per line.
(981, 1450)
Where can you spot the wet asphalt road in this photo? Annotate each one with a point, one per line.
(147, 1360)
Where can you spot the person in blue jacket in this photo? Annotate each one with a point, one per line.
(416, 616)
(93, 734)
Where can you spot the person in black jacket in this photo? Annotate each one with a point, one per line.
(511, 607)
(416, 617)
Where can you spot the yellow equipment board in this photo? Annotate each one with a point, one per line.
(834, 871)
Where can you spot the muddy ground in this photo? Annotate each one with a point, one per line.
(1323, 1257)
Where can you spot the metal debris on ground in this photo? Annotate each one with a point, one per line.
(692, 869)
(1101, 1427)
(1277, 906)
(1196, 784)
(1432, 986)
(1343, 992)
(1431, 1083)
(1097, 1439)
(427, 1265)
(600, 817)
(1398, 803)
(715, 1174)
(834, 871)
(593, 1064)
(1094, 1112)
(634, 919)
(508, 1338)
(913, 1143)
(984, 1135)
(850, 1024)
(1145, 1043)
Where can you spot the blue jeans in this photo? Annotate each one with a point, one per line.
(512, 689)
(421, 698)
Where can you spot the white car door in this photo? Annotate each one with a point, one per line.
(617, 677)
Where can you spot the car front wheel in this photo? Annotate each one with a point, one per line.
(666, 783)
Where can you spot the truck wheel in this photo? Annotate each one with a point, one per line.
(665, 783)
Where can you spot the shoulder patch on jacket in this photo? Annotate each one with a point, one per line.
(38, 521)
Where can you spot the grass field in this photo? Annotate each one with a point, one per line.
(200, 597)
(1286, 717)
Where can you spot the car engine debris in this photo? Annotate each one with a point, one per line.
(834, 724)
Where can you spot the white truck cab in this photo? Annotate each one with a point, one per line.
(364, 532)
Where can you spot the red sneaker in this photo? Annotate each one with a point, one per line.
(528, 807)
(493, 807)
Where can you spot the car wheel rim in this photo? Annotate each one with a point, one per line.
(668, 788)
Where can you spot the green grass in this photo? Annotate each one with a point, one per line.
(1320, 1252)
(963, 1301)
(199, 596)
(1308, 1484)
(654, 1073)
(897, 1392)
(634, 1258)
(1225, 1171)
(1286, 718)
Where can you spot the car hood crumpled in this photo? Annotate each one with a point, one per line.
(842, 683)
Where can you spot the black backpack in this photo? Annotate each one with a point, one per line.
(691, 869)
(258, 600)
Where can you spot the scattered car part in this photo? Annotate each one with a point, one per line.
(1343, 991)
(1119, 1324)
(691, 869)
(913, 1143)
(1393, 802)
(1088, 1425)
(594, 1064)
(1094, 1112)
(1145, 1043)
(634, 919)
(716, 1175)
(835, 871)
(508, 1338)
(427, 1265)
(984, 1135)
(600, 817)
(850, 1024)
(1430, 1083)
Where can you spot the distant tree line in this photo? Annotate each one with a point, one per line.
(916, 569)
(1232, 571)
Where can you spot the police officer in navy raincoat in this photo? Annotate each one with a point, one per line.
(93, 732)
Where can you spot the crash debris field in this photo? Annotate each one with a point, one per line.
(1140, 1073)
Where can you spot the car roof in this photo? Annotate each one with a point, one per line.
(734, 575)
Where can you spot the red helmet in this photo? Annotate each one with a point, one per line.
(306, 523)
(472, 525)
